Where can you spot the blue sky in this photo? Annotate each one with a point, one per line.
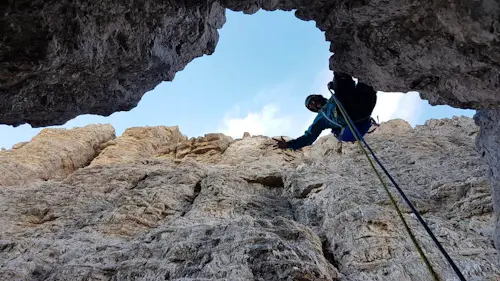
(262, 69)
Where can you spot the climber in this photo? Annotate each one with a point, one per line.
(358, 100)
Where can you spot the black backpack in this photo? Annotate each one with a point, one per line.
(358, 100)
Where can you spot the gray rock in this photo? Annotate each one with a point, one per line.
(488, 143)
(53, 154)
(273, 215)
(440, 173)
(60, 60)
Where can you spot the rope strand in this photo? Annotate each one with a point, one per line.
(357, 135)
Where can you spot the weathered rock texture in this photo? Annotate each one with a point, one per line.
(202, 149)
(488, 143)
(136, 143)
(256, 213)
(66, 58)
(53, 154)
(59, 60)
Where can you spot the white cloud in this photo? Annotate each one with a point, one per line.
(266, 122)
(392, 105)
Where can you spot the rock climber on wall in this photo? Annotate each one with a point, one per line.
(358, 100)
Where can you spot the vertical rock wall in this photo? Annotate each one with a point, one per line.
(488, 143)
(256, 213)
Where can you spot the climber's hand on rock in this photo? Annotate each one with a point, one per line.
(281, 144)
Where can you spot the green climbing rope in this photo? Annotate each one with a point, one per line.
(393, 201)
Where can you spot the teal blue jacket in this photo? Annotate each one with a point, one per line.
(327, 119)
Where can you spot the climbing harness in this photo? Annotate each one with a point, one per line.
(357, 135)
(330, 120)
(374, 124)
(343, 127)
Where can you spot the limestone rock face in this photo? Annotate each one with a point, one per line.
(255, 149)
(458, 125)
(137, 143)
(446, 50)
(207, 149)
(19, 145)
(252, 212)
(442, 180)
(395, 127)
(53, 154)
(488, 143)
(60, 60)
(66, 58)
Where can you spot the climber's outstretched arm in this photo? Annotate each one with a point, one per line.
(319, 124)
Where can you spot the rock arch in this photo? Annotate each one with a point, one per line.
(71, 58)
